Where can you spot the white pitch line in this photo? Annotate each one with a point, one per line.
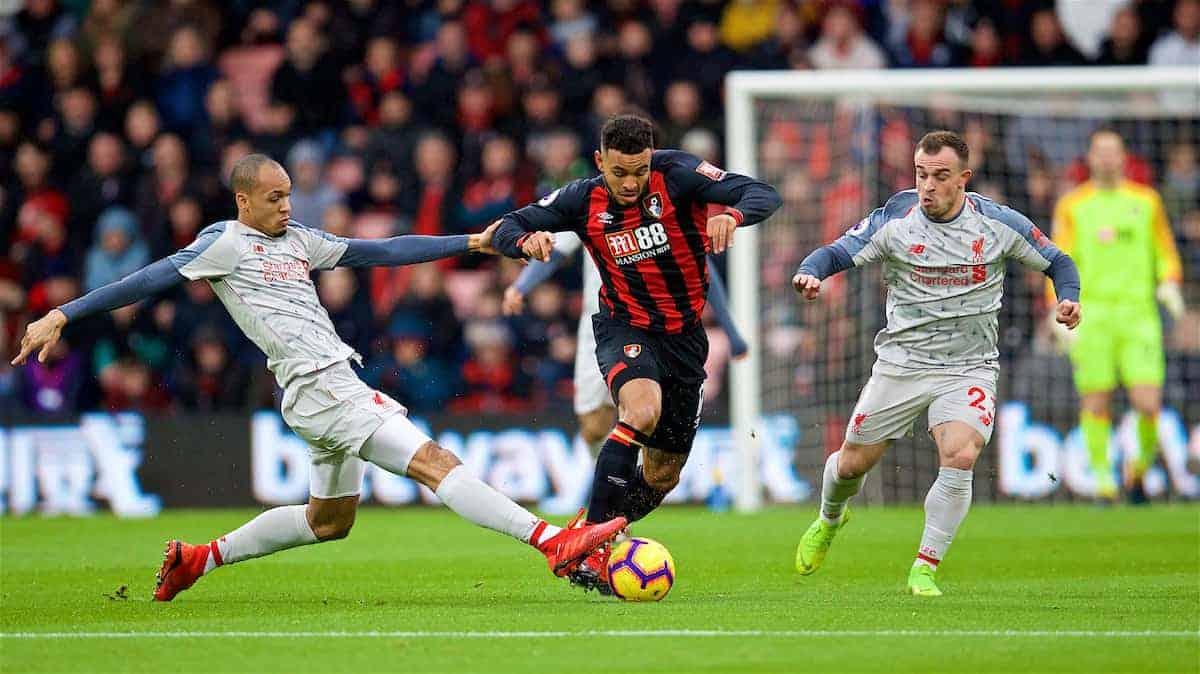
(1016, 634)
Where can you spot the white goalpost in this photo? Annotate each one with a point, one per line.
(835, 144)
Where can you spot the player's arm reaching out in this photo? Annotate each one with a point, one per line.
(1030, 247)
(212, 255)
(527, 233)
(747, 201)
(862, 244)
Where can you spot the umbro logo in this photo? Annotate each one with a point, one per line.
(605, 217)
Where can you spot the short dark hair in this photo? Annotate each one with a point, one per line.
(626, 133)
(934, 141)
(244, 176)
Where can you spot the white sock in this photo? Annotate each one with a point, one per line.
(836, 491)
(274, 530)
(474, 500)
(945, 507)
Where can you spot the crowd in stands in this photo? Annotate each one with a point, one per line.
(120, 119)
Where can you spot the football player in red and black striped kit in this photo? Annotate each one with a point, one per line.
(644, 222)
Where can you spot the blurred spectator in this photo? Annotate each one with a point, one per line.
(924, 44)
(746, 23)
(311, 195)
(571, 18)
(169, 179)
(786, 47)
(309, 85)
(1125, 45)
(492, 384)
(349, 310)
(702, 143)
(131, 386)
(118, 249)
(142, 126)
(32, 191)
(1181, 182)
(523, 56)
(582, 72)
(684, 109)
(542, 115)
(560, 162)
(426, 304)
(437, 193)
(842, 44)
(705, 60)
(349, 25)
(224, 124)
(117, 82)
(1180, 47)
(503, 186)
(984, 48)
(183, 82)
(52, 388)
(207, 379)
(40, 23)
(394, 140)
(490, 23)
(74, 124)
(1047, 45)
(379, 74)
(186, 219)
(407, 372)
(435, 93)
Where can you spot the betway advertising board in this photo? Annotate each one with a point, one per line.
(134, 466)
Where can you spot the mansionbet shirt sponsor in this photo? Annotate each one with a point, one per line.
(651, 255)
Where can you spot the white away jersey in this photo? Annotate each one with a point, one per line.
(944, 279)
(264, 283)
(567, 243)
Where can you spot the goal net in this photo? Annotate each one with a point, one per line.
(836, 145)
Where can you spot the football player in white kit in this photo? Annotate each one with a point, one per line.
(594, 407)
(944, 251)
(259, 267)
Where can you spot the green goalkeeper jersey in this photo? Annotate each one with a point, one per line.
(1120, 240)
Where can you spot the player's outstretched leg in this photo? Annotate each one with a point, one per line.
(401, 448)
(1096, 430)
(271, 531)
(836, 491)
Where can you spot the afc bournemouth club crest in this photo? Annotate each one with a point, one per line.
(653, 205)
(633, 350)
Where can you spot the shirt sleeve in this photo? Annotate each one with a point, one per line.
(324, 250)
(213, 254)
(1063, 233)
(748, 200)
(560, 211)
(1029, 246)
(1167, 266)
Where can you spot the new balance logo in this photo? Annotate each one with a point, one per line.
(917, 248)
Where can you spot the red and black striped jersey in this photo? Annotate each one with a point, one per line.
(651, 255)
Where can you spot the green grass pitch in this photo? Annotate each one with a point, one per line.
(1028, 589)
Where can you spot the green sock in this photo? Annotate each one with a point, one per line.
(1096, 432)
(1147, 433)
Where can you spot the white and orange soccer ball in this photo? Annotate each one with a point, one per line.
(640, 569)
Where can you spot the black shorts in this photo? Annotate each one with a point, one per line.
(676, 362)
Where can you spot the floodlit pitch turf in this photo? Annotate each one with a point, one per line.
(1045, 589)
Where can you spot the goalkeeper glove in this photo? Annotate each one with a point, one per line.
(1171, 297)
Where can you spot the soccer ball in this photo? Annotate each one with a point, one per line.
(640, 569)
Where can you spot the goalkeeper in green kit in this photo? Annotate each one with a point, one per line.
(1117, 233)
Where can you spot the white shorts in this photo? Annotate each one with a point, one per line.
(591, 391)
(891, 401)
(336, 414)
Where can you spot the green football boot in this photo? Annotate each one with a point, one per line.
(920, 581)
(815, 542)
